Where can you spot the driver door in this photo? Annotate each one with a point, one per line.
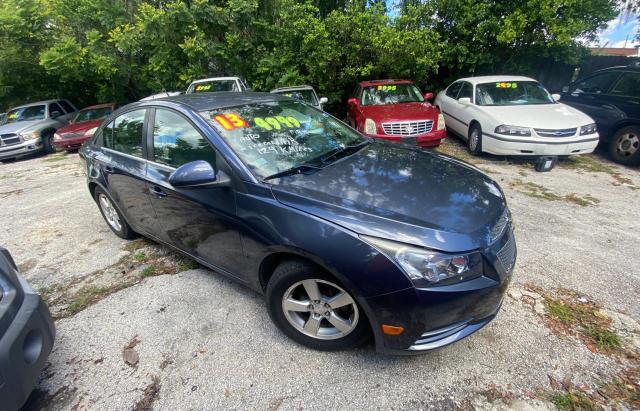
(198, 220)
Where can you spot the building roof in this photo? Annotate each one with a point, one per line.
(615, 51)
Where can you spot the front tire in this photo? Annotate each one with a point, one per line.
(47, 144)
(474, 142)
(313, 309)
(112, 215)
(624, 147)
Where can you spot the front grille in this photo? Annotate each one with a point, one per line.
(408, 128)
(507, 254)
(9, 139)
(567, 132)
(71, 135)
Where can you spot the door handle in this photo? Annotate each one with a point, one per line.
(157, 191)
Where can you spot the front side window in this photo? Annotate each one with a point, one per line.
(275, 136)
(124, 134)
(29, 113)
(512, 93)
(214, 86)
(382, 94)
(177, 142)
(452, 90)
(628, 85)
(600, 83)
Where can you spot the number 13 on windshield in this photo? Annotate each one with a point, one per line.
(230, 121)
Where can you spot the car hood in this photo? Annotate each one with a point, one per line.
(17, 127)
(546, 116)
(400, 112)
(77, 128)
(403, 194)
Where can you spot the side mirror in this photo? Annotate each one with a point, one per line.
(324, 100)
(556, 97)
(352, 101)
(464, 100)
(428, 96)
(55, 114)
(198, 173)
(565, 89)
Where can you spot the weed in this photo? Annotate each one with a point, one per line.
(189, 264)
(140, 257)
(55, 158)
(587, 163)
(538, 191)
(147, 271)
(572, 401)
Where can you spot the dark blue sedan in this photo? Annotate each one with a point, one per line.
(347, 237)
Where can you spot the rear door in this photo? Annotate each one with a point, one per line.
(622, 102)
(449, 108)
(198, 220)
(121, 161)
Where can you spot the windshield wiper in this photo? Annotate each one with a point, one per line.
(299, 169)
(342, 152)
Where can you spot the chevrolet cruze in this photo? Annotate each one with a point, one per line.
(347, 237)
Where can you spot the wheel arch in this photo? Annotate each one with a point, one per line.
(472, 124)
(616, 127)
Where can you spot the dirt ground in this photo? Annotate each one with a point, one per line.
(141, 327)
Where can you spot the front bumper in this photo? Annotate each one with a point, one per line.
(21, 149)
(430, 139)
(538, 146)
(24, 346)
(438, 316)
(70, 143)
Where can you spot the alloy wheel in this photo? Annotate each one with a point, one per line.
(320, 309)
(110, 213)
(473, 143)
(627, 144)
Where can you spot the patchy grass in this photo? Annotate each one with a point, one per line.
(147, 271)
(188, 264)
(89, 295)
(458, 151)
(568, 313)
(572, 401)
(136, 244)
(586, 162)
(56, 157)
(538, 191)
(624, 388)
(140, 257)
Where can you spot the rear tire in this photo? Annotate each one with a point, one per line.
(311, 319)
(47, 144)
(474, 142)
(624, 147)
(112, 215)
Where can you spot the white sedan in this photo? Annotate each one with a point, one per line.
(513, 115)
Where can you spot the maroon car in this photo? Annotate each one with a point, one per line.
(82, 127)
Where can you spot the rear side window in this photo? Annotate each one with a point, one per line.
(628, 85)
(66, 106)
(452, 90)
(124, 134)
(600, 83)
(467, 91)
(177, 142)
(55, 107)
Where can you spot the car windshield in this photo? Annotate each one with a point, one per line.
(512, 93)
(26, 114)
(92, 114)
(391, 94)
(215, 85)
(276, 136)
(308, 96)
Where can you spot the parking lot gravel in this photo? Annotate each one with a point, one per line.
(187, 338)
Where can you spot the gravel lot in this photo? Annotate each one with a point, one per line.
(177, 337)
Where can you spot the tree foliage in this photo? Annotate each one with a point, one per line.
(100, 50)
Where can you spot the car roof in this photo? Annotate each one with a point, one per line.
(387, 81)
(292, 88)
(630, 67)
(493, 79)
(221, 99)
(104, 105)
(37, 103)
(204, 80)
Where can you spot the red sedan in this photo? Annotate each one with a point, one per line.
(82, 127)
(396, 110)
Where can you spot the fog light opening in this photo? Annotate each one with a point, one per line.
(32, 346)
(392, 330)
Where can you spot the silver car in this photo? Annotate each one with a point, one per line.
(306, 94)
(30, 128)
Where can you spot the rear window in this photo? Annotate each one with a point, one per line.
(213, 86)
(307, 96)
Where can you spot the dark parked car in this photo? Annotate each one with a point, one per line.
(26, 335)
(347, 236)
(612, 98)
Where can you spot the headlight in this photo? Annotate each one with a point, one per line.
(57, 137)
(428, 268)
(513, 130)
(90, 132)
(30, 136)
(369, 126)
(440, 122)
(588, 129)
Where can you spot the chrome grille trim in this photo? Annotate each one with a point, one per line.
(407, 128)
(566, 132)
(9, 139)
